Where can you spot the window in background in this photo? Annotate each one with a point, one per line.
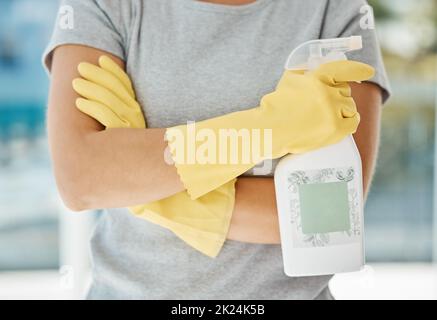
(28, 202)
(399, 211)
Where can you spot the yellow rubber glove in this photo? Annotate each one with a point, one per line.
(109, 98)
(305, 112)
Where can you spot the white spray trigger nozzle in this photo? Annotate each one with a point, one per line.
(311, 54)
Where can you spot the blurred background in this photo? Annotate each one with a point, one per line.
(43, 247)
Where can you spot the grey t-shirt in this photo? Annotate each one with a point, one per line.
(192, 60)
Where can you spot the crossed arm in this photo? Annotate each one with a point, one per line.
(96, 168)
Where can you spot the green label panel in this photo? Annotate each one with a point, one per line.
(324, 207)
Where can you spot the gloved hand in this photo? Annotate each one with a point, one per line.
(108, 95)
(109, 98)
(305, 112)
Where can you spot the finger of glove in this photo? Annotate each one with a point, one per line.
(101, 113)
(350, 125)
(347, 107)
(348, 111)
(344, 71)
(108, 80)
(109, 65)
(94, 92)
(344, 89)
(137, 120)
(297, 71)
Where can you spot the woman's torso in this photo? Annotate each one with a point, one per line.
(190, 61)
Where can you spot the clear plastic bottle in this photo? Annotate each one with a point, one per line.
(320, 193)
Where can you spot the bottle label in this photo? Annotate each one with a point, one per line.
(324, 207)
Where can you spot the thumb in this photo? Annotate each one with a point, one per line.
(344, 71)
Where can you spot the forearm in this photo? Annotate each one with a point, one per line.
(368, 99)
(255, 217)
(120, 168)
(97, 168)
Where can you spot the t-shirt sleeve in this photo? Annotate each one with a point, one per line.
(92, 23)
(346, 18)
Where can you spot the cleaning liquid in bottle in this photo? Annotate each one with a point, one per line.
(320, 193)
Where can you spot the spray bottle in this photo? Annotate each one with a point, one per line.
(320, 193)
